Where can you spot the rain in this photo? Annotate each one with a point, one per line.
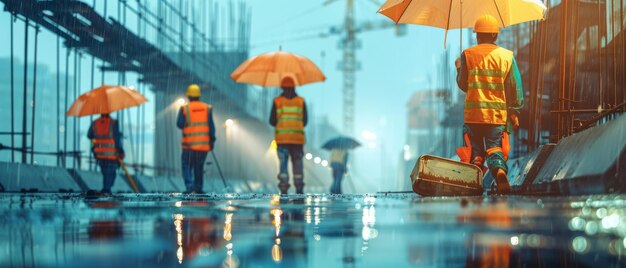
(321, 133)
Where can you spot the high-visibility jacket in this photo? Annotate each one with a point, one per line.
(289, 120)
(196, 131)
(488, 66)
(104, 147)
(338, 156)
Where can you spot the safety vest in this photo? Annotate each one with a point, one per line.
(196, 131)
(289, 120)
(488, 66)
(104, 139)
(338, 156)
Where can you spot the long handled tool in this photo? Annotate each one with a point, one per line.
(130, 179)
(219, 170)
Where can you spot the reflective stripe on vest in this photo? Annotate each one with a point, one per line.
(104, 140)
(289, 120)
(488, 66)
(196, 131)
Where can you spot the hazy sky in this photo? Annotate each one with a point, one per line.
(392, 67)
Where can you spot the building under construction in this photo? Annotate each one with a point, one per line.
(159, 47)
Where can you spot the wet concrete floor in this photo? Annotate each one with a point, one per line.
(381, 230)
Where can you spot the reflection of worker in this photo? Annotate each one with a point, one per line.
(338, 162)
(107, 148)
(289, 116)
(487, 249)
(490, 77)
(196, 121)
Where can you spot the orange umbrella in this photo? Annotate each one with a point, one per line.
(269, 69)
(106, 99)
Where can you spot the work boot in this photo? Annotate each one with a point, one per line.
(298, 181)
(283, 183)
(502, 181)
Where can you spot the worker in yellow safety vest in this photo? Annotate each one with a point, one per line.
(196, 121)
(289, 117)
(490, 77)
(106, 146)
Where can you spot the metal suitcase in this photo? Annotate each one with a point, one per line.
(437, 176)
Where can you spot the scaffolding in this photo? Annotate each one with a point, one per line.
(165, 44)
(572, 65)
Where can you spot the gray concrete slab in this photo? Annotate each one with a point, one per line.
(16, 177)
(588, 162)
(93, 181)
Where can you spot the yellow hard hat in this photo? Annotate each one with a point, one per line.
(193, 91)
(486, 24)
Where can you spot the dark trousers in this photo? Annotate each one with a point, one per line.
(295, 152)
(193, 162)
(486, 141)
(338, 171)
(108, 168)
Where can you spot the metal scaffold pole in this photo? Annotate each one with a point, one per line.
(34, 102)
(58, 113)
(66, 96)
(12, 92)
(74, 119)
(92, 85)
(25, 95)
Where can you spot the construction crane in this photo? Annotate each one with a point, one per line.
(349, 64)
(349, 43)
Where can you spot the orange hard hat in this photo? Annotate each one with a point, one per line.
(287, 82)
(486, 24)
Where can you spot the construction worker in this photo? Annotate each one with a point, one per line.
(338, 162)
(107, 148)
(490, 77)
(289, 117)
(196, 121)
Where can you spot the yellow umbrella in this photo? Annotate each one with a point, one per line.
(269, 69)
(456, 14)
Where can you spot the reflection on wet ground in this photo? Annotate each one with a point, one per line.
(169, 230)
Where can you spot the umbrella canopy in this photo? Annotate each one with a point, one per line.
(455, 14)
(345, 143)
(104, 100)
(269, 69)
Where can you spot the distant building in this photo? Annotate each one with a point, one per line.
(434, 126)
(46, 131)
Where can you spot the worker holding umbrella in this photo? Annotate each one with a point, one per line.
(486, 72)
(339, 159)
(489, 76)
(107, 148)
(288, 115)
(104, 132)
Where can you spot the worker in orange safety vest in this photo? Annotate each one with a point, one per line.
(107, 148)
(195, 119)
(289, 116)
(490, 77)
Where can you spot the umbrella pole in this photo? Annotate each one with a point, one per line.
(130, 179)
